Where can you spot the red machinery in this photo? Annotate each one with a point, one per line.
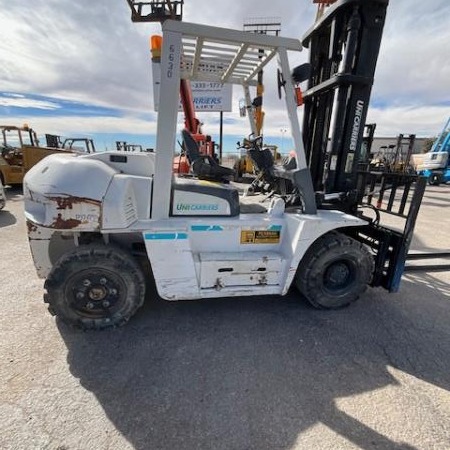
(321, 6)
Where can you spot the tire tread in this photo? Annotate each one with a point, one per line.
(318, 249)
(55, 282)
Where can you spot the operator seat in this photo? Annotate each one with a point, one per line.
(204, 166)
(262, 159)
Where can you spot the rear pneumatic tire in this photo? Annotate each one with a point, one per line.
(335, 271)
(95, 287)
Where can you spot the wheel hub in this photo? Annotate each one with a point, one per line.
(338, 275)
(97, 294)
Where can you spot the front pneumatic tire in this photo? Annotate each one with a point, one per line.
(95, 287)
(435, 179)
(335, 271)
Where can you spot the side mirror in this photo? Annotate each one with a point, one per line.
(280, 82)
(257, 102)
(301, 73)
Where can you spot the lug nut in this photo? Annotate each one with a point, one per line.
(80, 295)
(106, 304)
(103, 280)
(86, 282)
(113, 291)
(90, 305)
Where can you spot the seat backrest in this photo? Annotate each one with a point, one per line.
(262, 159)
(190, 146)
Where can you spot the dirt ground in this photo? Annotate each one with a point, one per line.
(251, 373)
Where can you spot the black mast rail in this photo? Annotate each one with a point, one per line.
(344, 46)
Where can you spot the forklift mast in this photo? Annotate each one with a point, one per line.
(321, 7)
(369, 132)
(344, 45)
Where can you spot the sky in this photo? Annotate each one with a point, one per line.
(83, 68)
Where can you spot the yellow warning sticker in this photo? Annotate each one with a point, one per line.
(260, 237)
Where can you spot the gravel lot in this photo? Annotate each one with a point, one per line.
(251, 373)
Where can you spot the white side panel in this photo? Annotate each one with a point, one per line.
(435, 160)
(39, 239)
(187, 254)
(127, 200)
(172, 263)
(223, 235)
(139, 164)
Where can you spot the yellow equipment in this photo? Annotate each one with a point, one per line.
(19, 152)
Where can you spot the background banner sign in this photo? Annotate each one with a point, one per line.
(210, 96)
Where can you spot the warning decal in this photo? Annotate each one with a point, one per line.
(260, 237)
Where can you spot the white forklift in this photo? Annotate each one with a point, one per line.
(92, 218)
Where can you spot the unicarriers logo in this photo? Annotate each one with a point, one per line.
(197, 207)
(356, 125)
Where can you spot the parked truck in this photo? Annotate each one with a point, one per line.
(88, 239)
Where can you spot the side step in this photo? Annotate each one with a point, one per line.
(220, 270)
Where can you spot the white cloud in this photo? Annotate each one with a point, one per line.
(90, 52)
(12, 94)
(424, 121)
(70, 125)
(84, 51)
(20, 101)
(414, 63)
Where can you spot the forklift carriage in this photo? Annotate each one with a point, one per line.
(91, 240)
